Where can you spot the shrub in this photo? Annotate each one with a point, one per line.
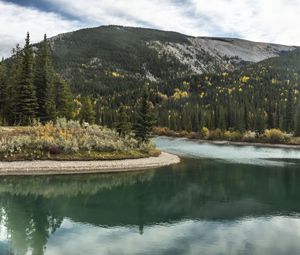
(249, 136)
(204, 133)
(275, 136)
(216, 134)
(162, 131)
(65, 137)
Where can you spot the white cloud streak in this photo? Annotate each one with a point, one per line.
(259, 20)
(16, 21)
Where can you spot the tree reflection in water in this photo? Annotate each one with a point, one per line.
(33, 208)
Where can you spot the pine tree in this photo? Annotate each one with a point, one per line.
(173, 121)
(3, 92)
(12, 82)
(270, 118)
(288, 119)
(44, 84)
(259, 122)
(297, 120)
(25, 98)
(87, 112)
(123, 126)
(145, 119)
(240, 120)
(64, 99)
(221, 119)
(186, 118)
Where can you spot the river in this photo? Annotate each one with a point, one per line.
(219, 200)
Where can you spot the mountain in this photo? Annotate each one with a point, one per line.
(102, 58)
(192, 82)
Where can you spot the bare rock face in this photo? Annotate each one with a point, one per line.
(204, 54)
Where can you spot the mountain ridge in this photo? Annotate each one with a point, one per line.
(141, 54)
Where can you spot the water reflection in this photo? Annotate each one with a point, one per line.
(201, 205)
(233, 153)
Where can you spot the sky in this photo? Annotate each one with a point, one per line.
(273, 21)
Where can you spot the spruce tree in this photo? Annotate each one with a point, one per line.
(12, 82)
(259, 122)
(3, 92)
(240, 120)
(221, 119)
(145, 119)
(64, 99)
(25, 98)
(87, 112)
(123, 126)
(297, 120)
(289, 115)
(44, 84)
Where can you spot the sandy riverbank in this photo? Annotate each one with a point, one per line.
(48, 167)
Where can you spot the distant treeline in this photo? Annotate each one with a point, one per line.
(258, 97)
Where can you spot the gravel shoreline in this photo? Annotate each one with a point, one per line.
(47, 167)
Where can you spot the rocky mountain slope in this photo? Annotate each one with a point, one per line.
(99, 57)
(227, 54)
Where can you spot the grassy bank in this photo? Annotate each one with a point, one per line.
(68, 140)
(272, 136)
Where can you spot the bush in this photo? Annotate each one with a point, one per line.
(216, 134)
(233, 135)
(65, 137)
(204, 133)
(249, 136)
(275, 136)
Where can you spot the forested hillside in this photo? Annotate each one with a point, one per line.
(188, 83)
(98, 60)
(257, 97)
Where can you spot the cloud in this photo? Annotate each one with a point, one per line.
(167, 15)
(259, 20)
(16, 21)
(252, 235)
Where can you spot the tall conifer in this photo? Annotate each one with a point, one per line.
(145, 119)
(3, 92)
(25, 99)
(44, 83)
(87, 112)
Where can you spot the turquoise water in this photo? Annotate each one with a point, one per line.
(219, 200)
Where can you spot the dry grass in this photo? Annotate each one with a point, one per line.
(68, 140)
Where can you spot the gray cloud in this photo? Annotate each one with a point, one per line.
(251, 235)
(260, 20)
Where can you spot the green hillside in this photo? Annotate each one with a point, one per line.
(256, 97)
(97, 60)
(100, 58)
(112, 64)
(192, 82)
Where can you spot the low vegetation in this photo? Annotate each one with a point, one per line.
(69, 140)
(274, 136)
